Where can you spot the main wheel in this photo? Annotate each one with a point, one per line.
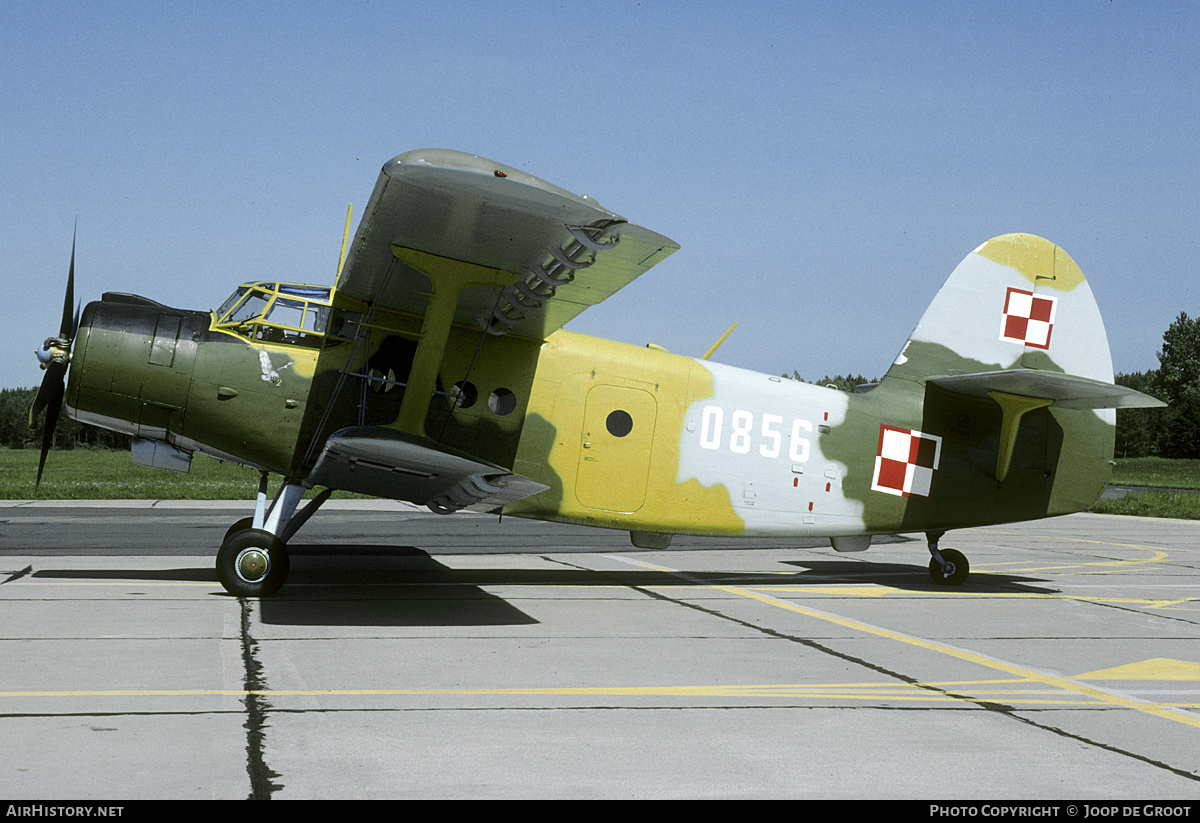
(252, 563)
(954, 572)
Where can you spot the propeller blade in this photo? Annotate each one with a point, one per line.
(52, 384)
(66, 330)
(54, 355)
(53, 406)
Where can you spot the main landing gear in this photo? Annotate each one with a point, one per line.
(253, 558)
(947, 567)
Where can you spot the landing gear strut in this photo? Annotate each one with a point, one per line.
(947, 567)
(253, 559)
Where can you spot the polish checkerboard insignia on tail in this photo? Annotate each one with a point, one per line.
(1028, 318)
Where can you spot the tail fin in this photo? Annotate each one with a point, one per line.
(1016, 324)
(1016, 302)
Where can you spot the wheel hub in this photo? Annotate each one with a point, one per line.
(252, 565)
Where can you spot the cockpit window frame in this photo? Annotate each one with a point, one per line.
(233, 300)
(248, 313)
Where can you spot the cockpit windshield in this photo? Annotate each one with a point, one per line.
(277, 313)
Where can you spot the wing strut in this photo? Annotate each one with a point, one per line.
(448, 278)
(1012, 408)
(345, 240)
(713, 348)
(360, 347)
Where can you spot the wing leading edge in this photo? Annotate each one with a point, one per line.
(565, 252)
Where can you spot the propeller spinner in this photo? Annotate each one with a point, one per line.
(55, 355)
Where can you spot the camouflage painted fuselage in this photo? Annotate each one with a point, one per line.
(642, 440)
(166, 375)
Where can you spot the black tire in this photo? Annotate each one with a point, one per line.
(241, 525)
(252, 563)
(958, 572)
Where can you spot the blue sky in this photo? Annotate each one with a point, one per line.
(824, 166)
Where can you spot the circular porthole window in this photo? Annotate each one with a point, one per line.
(619, 423)
(502, 402)
(464, 394)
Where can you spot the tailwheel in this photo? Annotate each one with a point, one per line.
(949, 567)
(952, 570)
(252, 563)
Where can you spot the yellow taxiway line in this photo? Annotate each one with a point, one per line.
(1022, 672)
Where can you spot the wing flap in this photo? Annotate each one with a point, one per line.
(387, 463)
(567, 251)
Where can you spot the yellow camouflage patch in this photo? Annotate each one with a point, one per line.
(1039, 261)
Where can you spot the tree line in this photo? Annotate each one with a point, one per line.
(1175, 430)
(16, 433)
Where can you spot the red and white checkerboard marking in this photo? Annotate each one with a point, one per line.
(906, 461)
(1028, 318)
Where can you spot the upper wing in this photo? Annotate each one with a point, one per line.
(566, 251)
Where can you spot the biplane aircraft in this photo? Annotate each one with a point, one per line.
(436, 371)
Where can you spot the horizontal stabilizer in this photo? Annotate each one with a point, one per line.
(388, 463)
(1067, 391)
